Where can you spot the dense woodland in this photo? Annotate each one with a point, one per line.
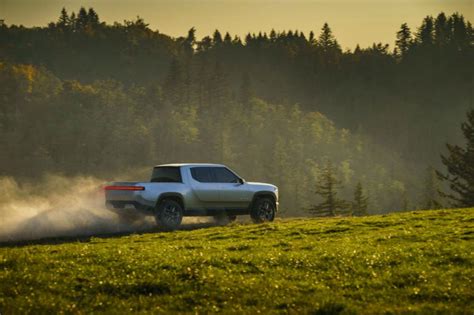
(83, 97)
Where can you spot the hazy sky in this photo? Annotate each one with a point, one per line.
(352, 21)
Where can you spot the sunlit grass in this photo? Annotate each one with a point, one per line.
(417, 262)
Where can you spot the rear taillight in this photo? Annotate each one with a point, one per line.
(124, 188)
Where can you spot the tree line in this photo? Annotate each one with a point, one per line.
(83, 97)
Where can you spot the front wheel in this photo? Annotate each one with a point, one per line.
(169, 215)
(263, 210)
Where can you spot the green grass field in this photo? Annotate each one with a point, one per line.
(416, 262)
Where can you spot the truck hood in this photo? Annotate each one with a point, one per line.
(264, 186)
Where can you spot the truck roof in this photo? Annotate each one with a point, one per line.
(189, 164)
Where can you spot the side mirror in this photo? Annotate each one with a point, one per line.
(241, 181)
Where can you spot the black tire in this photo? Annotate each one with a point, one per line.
(169, 215)
(224, 219)
(263, 210)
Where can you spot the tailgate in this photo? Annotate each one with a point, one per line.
(123, 191)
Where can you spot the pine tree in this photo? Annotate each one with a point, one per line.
(92, 17)
(441, 30)
(357, 50)
(63, 21)
(426, 32)
(460, 32)
(73, 21)
(326, 39)
(248, 39)
(360, 204)
(227, 38)
(217, 38)
(237, 41)
(189, 42)
(327, 188)
(460, 167)
(431, 198)
(205, 44)
(404, 39)
(273, 36)
(312, 39)
(191, 38)
(82, 19)
(302, 36)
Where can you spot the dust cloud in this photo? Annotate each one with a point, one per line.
(58, 206)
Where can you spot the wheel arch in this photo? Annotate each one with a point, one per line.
(263, 194)
(171, 196)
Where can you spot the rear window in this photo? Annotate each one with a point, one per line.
(202, 174)
(166, 175)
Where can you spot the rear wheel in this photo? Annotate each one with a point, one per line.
(169, 215)
(263, 210)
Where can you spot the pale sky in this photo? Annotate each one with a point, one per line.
(353, 22)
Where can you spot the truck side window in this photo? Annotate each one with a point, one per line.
(166, 175)
(223, 175)
(202, 174)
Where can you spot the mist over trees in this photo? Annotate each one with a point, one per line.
(460, 167)
(360, 203)
(83, 97)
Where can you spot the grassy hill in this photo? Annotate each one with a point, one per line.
(417, 262)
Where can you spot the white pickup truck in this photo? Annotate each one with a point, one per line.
(177, 190)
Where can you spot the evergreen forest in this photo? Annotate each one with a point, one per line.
(83, 97)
